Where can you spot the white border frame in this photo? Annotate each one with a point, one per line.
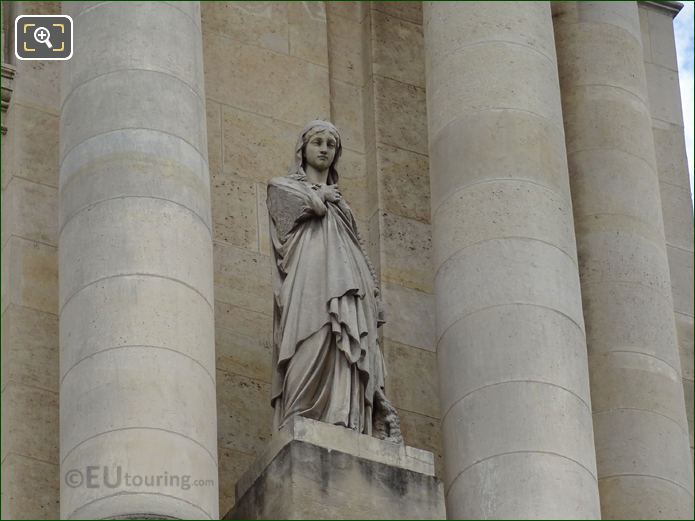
(72, 40)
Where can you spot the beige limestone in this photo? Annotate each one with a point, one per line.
(640, 424)
(367, 477)
(514, 404)
(136, 284)
(30, 488)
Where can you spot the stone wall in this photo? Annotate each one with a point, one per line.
(30, 480)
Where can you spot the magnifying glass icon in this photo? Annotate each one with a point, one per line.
(42, 35)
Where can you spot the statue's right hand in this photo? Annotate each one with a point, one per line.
(330, 193)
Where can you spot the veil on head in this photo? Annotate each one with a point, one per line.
(297, 169)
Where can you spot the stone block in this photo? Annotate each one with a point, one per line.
(34, 139)
(294, 90)
(137, 388)
(95, 55)
(243, 355)
(348, 108)
(406, 252)
(412, 378)
(637, 210)
(465, 79)
(30, 348)
(663, 46)
(162, 104)
(688, 392)
(400, 112)
(307, 31)
(30, 488)
(360, 475)
(557, 486)
(650, 331)
(33, 211)
(500, 271)
(405, 182)
(398, 49)
(244, 413)
(617, 121)
(529, 417)
(234, 207)
(232, 465)
(243, 278)
(534, 149)
(30, 422)
(633, 381)
(677, 208)
(94, 242)
(409, 316)
(671, 158)
(355, 11)
(410, 11)
(423, 432)
(34, 269)
(37, 84)
(256, 147)
(609, 58)
(517, 24)
(138, 310)
(256, 23)
(642, 497)
(681, 268)
(664, 94)
(243, 321)
(512, 342)
(348, 44)
(500, 209)
(618, 432)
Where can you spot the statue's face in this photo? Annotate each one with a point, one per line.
(319, 151)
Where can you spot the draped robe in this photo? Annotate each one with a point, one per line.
(326, 358)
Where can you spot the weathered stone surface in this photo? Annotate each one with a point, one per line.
(234, 210)
(30, 488)
(242, 278)
(411, 381)
(367, 477)
(34, 145)
(294, 90)
(307, 31)
(671, 158)
(243, 355)
(34, 269)
(30, 348)
(409, 316)
(244, 414)
(398, 50)
(348, 42)
(677, 210)
(213, 113)
(255, 146)
(31, 209)
(681, 269)
(406, 252)
(405, 184)
(256, 23)
(400, 114)
(410, 11)
(30, 422)
(662, 83)
(233, 464)
(662, 45)
(424, 432)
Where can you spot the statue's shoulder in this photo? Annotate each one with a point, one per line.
(285, 183)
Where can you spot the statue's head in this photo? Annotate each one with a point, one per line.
(314, 129)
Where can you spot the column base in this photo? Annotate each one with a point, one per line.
(313, 470)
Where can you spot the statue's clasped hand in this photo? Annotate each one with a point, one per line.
(329, 193)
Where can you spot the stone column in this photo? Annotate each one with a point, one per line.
(516, 415)
(137, 394)
(639, 414)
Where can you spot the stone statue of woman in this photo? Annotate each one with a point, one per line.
(327, 362)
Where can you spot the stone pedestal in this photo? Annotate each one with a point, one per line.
(313, 470)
